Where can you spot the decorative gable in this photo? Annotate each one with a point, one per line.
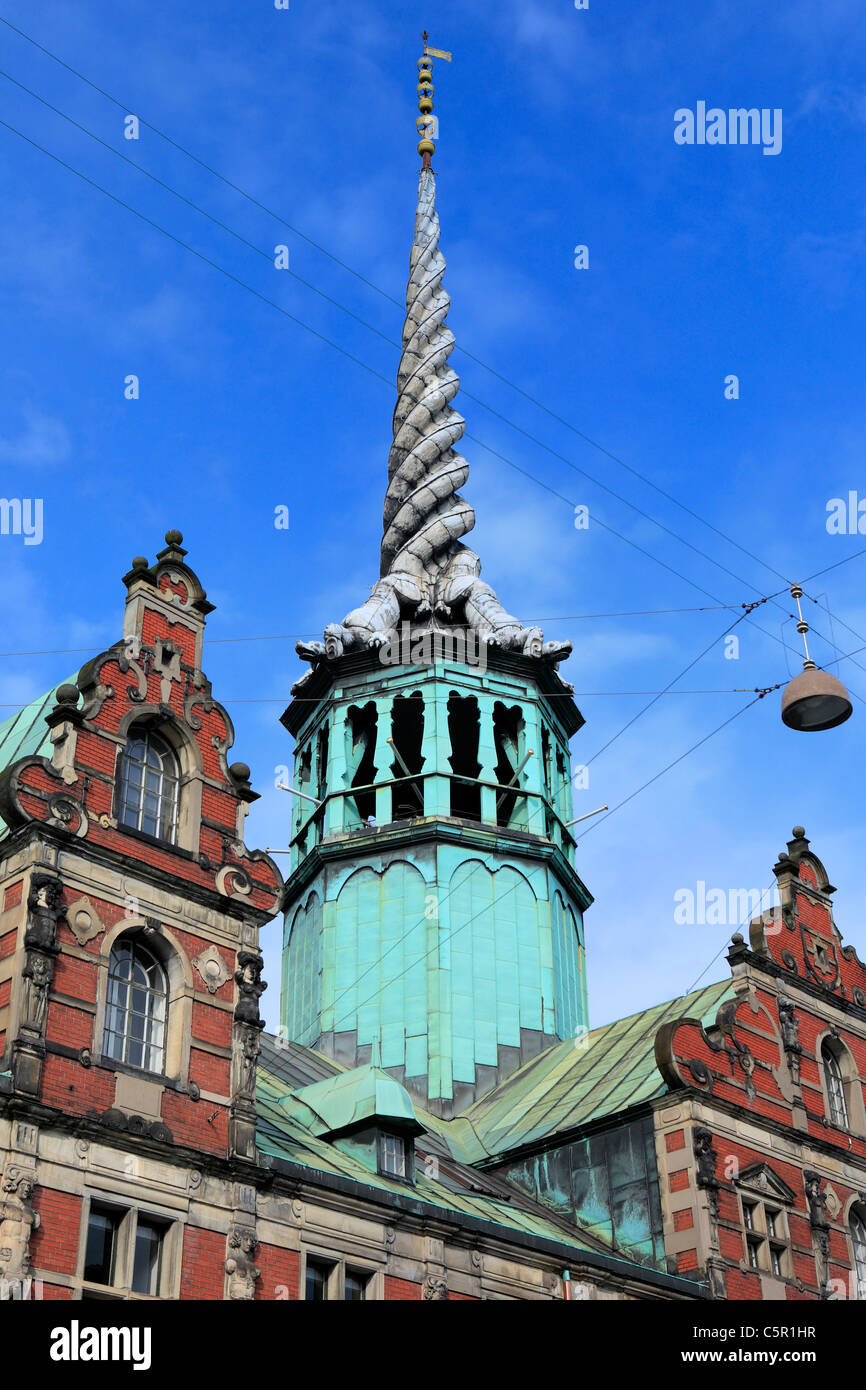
(761, 1180)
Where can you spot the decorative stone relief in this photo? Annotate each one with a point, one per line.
(84, 922)
(435, 1288)
(240, 1266)
(212, 969)
(17, 1220)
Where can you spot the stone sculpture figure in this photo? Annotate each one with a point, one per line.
(240, 1265)
(427, 575)
(17, 1220)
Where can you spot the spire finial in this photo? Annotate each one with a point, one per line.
(426, 124)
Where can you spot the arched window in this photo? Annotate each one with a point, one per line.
(135, 1007)
(149, 781)
(835, 1084)
(858, 1247)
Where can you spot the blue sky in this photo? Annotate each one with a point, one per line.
(556, 129)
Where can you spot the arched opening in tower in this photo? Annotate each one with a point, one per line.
(360, 764)
(407, 736)
(464, 727)
(508, 739)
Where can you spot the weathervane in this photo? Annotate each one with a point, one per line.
(427, 124)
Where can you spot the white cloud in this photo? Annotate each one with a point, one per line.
(41, 440)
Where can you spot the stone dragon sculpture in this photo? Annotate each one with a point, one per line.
(427, 575)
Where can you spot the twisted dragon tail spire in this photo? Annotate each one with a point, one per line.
(424, 516)
(427, 576)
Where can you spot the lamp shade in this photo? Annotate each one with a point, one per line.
(815, 700)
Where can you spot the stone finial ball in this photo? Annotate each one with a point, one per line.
(139, 562)
(173, 538)
(68, 695)
(239, 772)
(799, 832)
(737, 938)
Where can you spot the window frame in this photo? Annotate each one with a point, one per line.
(836, 1093)
(383, 1138)
(857, 1214)
(129, 1215)
(167, 832)
(339, 1265)
(130, 941)
(767, 1236)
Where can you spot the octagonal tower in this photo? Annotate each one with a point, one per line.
(434, 914)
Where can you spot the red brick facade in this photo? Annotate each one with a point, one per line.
(763, 1070)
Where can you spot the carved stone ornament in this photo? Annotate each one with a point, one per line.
(17, 1220)
(37, 975)
(84, 921)
(43, 909)
(240, 1266)
(251, 1046)
(790, 1025)
(705, 1159)
(251, 987)
(435, 1288)
(429, 579)
(212, 969)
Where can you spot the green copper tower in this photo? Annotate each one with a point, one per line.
(434, 914)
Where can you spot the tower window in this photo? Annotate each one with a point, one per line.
(149, 782)
(835, 1084)
(360, 755)
(135, 1007)
(464, 730)
(407, 733)
(508, 739)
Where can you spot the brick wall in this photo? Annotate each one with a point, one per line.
(203, 1271)
(54, 1242)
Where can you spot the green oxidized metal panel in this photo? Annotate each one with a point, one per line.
(302, 983)
(497, 985)
(379, 976)
(568, 972)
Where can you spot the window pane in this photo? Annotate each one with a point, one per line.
(147, 1261)
(101, 1245)
(394, 1155)
(317, 1280)
(147, 793)
(356, 1285)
